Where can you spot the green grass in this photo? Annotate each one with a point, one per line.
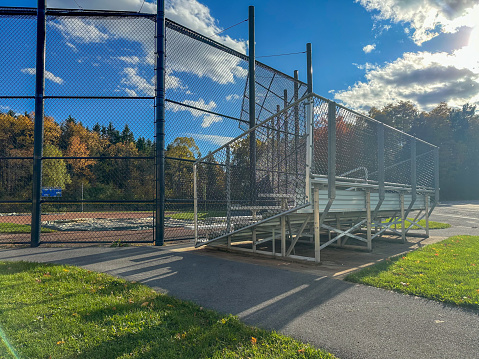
(422, 222)
(191, 215)
(53, 311)
(20, 228)
(447, 271)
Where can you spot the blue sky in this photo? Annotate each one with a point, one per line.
(365, 53)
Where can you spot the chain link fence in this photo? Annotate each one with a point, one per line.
(228, 198)
(291, 147)
(98, 180)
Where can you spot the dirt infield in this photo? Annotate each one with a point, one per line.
(174, 230)
(26, 218)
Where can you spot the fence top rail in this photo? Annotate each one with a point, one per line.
(227, 144)
(376, 121)
(12, 10)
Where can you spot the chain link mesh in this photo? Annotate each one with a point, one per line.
(99, 116)
(320, 137)
(425, 165)
(99, 136)
(356, 145)
(16, 162)
(17, 80)
(229, 198)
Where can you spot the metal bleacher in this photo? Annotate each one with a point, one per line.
(322, 175)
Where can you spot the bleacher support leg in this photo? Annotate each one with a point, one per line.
(368, 220)
(273, 242)
(426, 216)
(317, 250)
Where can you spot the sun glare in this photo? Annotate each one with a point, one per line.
(468, 56)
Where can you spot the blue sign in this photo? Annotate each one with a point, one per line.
(51, 192)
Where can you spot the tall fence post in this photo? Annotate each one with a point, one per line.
(195, 200)
(309, 123)
(252, 103)
(309, 64)
(160, 124)
(286, 140)
(296, 120)
(228, 189)
(38, 126)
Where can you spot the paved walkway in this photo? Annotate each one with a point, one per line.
(351, 321)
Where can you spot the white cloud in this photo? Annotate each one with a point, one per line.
(214, 139)
(48, 75)
(368, 48)
(73, 47)
(201, 104)
(134, 60)
(131, 93)
(80, 30)
(208, 62)
(424, 78)
(366, 66)
(196, 16)
(233, 97)
(208, 118)
(137, 84)
(426, 18)
(174, 82)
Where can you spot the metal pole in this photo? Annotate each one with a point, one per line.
(278, 148)
(38, 126)
(195, 200)
(286, 130)
(228, 189)
(160, 123)
(426, 214)
(403, 218)
(317, 225)
(332, 150)
(296, 120)
(309, 148)
(309, 60)
(252, 103)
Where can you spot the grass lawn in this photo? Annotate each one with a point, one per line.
(447, 271)
(422, 222)
(191, 215)
(20, 228)
(53, 311)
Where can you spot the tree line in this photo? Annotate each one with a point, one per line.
(87, 178)
(454, 130)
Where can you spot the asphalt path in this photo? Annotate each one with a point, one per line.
(463, 217)
(351, 321)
